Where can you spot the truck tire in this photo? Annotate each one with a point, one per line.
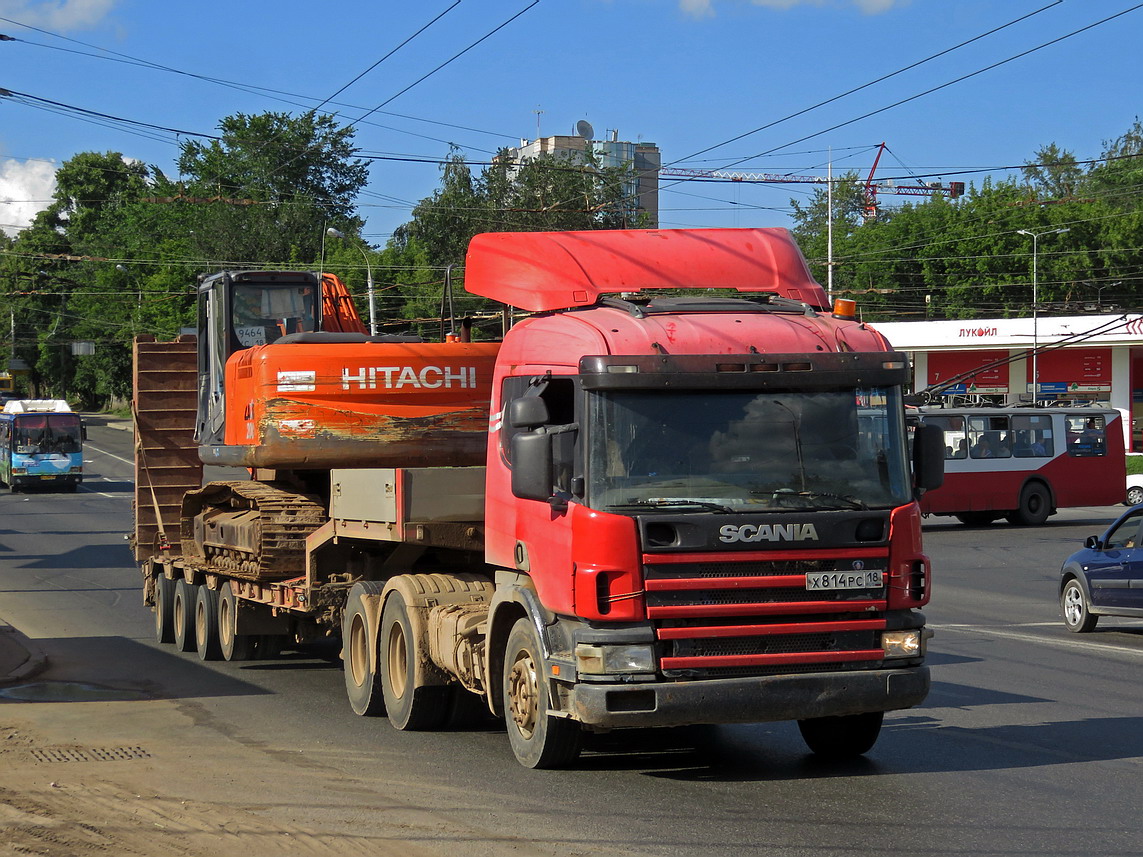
(232, 645)
(1035, 506)
(538, 740)
(206, 624)
(842, 737)
(182, 615)
(976, 519)
(1077, 614)
(362, 683)
(164, 609)
(410, 707)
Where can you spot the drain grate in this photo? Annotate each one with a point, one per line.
(94, 754)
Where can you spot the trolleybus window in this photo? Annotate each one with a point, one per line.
(989, 437)
(1087, 436)
(1033, 436)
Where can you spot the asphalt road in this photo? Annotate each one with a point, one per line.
(1030, 743)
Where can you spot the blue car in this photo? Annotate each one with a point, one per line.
(1106, 577)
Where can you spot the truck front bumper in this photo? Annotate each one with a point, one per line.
(749, 700)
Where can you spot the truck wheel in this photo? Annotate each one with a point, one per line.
(842, 737)
(1035, 506)
(269, 646)
(362, 683)
(206, 624)
(409, 707)
(538, 740)
(164, 609)
(976, 519)
(1134, 495)
(182, 615)
(234, 646)
(1078, 617)
(467, 710)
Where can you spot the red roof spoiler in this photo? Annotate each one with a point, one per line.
(540, 271)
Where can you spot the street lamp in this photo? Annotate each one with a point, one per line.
(1035, 309)
(337, 233)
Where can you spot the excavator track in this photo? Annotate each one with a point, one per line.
(250, 530)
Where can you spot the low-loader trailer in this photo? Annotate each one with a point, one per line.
(637, 509)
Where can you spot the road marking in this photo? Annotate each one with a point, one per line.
(1064, 642)
(109, 454)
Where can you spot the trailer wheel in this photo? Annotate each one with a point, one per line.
(182, 615)
(842, 737)
(362, 683)
(234, 646)
(538, 740)
(206, 624)
(1035, 506)
(164, 609)
(409, 706)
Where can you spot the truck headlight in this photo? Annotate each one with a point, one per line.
(902, 644)
(593, 659)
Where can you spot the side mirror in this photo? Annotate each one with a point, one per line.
(1092, 543)
(929, 457)
(527, 412)
(532, 463)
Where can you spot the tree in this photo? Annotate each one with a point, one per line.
(1054, 174)
(278, 181)
(550, 192)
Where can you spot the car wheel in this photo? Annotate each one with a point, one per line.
(1073, 605)
(1134, 495)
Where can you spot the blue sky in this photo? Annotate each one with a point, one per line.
(688, 75)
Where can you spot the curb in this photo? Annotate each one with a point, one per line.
(35, 661)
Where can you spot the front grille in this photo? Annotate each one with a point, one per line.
(758, 618)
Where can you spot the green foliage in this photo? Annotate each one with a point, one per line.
(117, 251)
(1134, 464)
(550, 192)
(968, 258)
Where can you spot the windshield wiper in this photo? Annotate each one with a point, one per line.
(665, 504)
(788, 494)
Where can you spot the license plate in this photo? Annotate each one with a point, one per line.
(48, 476)
(823, 580)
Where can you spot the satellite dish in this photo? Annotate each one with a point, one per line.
(584, 129)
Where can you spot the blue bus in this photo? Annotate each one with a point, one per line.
(41, 445)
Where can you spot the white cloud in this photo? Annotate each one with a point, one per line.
(58, 15)
(705, 8)
(26, 188)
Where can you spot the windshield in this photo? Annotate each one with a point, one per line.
(744, 451)
(263, 314)
(45, 433)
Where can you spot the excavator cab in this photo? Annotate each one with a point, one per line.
(239, 310)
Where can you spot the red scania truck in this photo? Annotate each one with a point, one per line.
(635, 510)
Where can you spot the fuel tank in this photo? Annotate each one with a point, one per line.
(316, 405)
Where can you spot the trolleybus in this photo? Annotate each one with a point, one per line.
(1022, 464)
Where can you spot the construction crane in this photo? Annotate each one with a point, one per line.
(870, 188)
(954, 189)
